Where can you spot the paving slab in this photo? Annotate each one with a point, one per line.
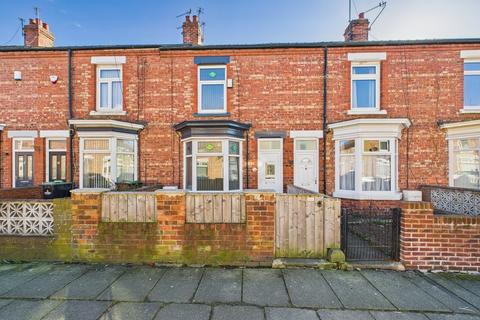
(132, 311)
(448, 299)
(176, 285)
(290, 314)
(91, 284)
(10, 280)
(438, 316)
(379, 315)
(344, 315)
(220, 285)
(184, 312)
(355, 292)
(238, 313)
(27, 309)
(3, 303)
(308, 289)
(455, 288)
(400, 291)
(134, 285)
(78, 310)
(48, 283)
(469, 282)
(264, 287)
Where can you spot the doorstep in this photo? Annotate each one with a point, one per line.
(382, 265)
(283, 263)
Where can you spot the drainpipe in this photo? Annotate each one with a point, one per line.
(70, 112)
(325, 74)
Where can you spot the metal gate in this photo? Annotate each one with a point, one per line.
(371, 234)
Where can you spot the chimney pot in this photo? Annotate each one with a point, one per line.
(361, 15)
(187, 18)
(195, 18)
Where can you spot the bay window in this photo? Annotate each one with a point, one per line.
(465, 163)
(105, 161)
(212, 165)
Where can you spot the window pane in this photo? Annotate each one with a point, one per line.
(472, 66)
(363, 93)
(234, 173)
(364, 70)
(125, 145)
(347, 146)
(210, 173)
(105, 74)
(347, 172)
(57, 144)
(209, 147)
(54, 173)
(269, 145)
(125, 168)
(212, 96)
(466, 168)
(466, 144)
(24, 144)
(63, 167)
(188, 180)
(96, 144)
(103, 95)
(234, 147)
(306, 145)
(188, 149)
(116, 94)
(212, 74)
(376, 173)
(96, 170)
(29, 167)
(471, 90)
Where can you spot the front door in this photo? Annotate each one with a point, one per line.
(270, 164)
(306, 164)
(23, 169)
(58, 166)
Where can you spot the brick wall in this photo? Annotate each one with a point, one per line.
(21, 193)
(170, 239)
(438, 242)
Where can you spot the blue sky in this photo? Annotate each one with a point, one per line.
(84, 22)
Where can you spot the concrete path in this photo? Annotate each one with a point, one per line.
(61, 291)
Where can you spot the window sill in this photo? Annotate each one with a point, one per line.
(470, 110)
(108, 113)
(374, 195)
(366, 111)
(223, 114)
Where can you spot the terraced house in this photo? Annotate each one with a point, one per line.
(366, 121)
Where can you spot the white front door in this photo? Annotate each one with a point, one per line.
(270, 164)
(306, 164)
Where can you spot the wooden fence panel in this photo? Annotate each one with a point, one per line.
(129, 207)
(215, 208)
(306, 225)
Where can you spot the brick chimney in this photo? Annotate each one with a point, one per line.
(357, 29)
(37, 34)
(192, 31)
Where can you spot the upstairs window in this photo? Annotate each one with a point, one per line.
(109, 88)
(471, 84)
(212, 90)
(365, 86)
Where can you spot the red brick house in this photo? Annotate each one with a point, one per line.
(357, 119)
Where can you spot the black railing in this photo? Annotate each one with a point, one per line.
(451, 200)
(371, 234)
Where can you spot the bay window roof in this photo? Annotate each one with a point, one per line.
(369, 128)
(211, 128)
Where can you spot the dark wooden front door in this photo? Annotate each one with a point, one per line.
(23, 169)
(58, 166)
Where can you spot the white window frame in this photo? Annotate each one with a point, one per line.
(358, 193)
(14, 161)
(470, 109)
(451, 150)
(109, 81)
(112, 137)
(376, 77)
(225, 154)
(201, 82)
(47, 155)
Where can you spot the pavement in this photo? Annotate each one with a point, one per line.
(76, 291)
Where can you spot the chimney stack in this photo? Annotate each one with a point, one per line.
(192, 31)
(357, 29)
(37, 34)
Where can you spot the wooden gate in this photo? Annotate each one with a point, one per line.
(306, 225)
